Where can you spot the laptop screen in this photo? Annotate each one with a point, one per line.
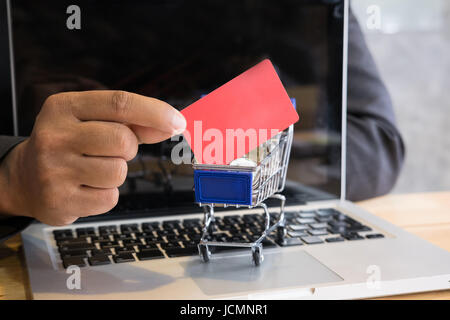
(6, 114)
(176, 51)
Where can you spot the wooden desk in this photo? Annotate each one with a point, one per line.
(426, 215)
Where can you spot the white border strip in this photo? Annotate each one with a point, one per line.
(13, 74)
(344, 104)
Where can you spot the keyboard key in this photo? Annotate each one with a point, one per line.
(122, 237)
(58, 232)
(74, 253)
(338, 224)
(256, 230)
(318, 225)
(352, 236)
(99, 260)
(139, 235)
(327, 212)
(295, 234)
(153, 239)
(131, 242)
(236, 238)
(246, 225)
(359, 227)
(106, 251)
(99, 238)
(70, 241)
(318, 232)
(180, 252)
(340, 217)
(249, 219)
(174, 237)
(289, 214)
(374, 236)
(305, 220)
(73, 261)
(298, 227)
(110, 244)
(191, 221)
(107, 230)
(76, 246)
(307, 214)
(146, 247)
(127, 249)
(162, 233)
(312, 240)
(149, 227)
(167, 222)
(170, 245)
(351, 220)
(334, 239)
(129, 228)
(62, 234)
(324, 219)
(188, 231)
(85, 232)
(231, 217)
(123, 257)
(190, 243)
(337, 230)
(291, 242)
(250, 237)
(171, 224)
(155, 224)
(150, 254)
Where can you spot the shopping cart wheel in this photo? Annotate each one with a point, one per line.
(212, 228)
(281, 234)
(204, 252)
(257, 256)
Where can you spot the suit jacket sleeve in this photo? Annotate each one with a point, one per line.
(10, 225)
(375, 149)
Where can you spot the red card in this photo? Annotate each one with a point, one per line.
(238, 116)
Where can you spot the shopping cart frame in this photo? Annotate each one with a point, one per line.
(270, 187)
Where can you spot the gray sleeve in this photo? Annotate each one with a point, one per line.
(7, 143)
(375, 150)
(10, 225)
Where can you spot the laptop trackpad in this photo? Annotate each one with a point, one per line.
(234, 274)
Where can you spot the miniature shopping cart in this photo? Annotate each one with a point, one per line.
(244, 186)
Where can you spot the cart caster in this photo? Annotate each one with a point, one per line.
(212, 228)
(281, 234)
(257, 255)
(205, 254)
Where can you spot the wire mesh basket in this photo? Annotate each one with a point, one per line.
(244, 186)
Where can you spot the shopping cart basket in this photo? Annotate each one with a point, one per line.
(244, 186)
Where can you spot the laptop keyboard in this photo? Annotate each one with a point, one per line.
(175, 238)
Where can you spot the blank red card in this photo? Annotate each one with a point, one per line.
(222, 126)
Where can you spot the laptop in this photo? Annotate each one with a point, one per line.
(146, 247)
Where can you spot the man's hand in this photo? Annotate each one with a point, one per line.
(76, 156)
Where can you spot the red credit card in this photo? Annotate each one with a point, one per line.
(238, 116)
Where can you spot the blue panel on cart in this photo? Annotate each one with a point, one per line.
(294, 103)
(223, 187)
